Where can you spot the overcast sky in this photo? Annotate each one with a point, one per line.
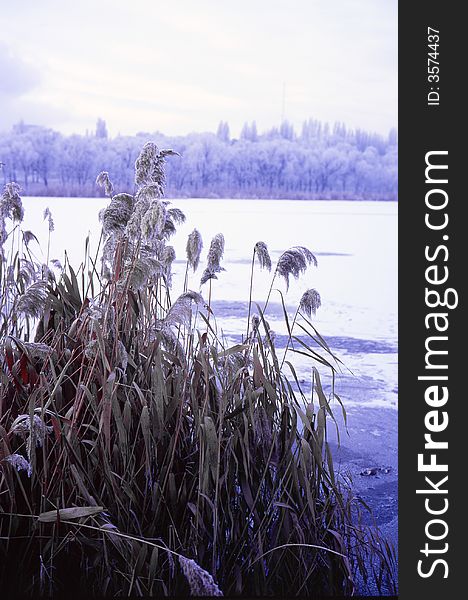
(183, 65)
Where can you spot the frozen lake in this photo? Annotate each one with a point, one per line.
(356, 247)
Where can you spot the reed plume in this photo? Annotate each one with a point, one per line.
(261, 252)
(3, 234)
(10, 204)
(116, 216)
(133, 227)
(145, 164)
(34, 428)
(294, 262)
(177, 215)
(49, 219)
(153, 220)
(149, 166)
(168, 256)
(11, 207)
(169, 228)
(141, 270)
(196, 447)
(310, 302)
(201, 582)
(194, 248)
(32, 302)
(103, 181)
(215, 253)
(19, 463)
(148, 192)
(207, 275)
(180, 312)
(27, 273)
(255, 321)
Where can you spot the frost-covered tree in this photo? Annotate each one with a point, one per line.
(319, 162)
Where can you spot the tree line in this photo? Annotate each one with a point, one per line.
(318, 162)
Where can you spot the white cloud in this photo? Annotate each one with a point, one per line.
(17, 76)
(187, 65)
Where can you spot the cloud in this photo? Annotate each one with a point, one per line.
(14, 109)
(17, 76)
(188, 65)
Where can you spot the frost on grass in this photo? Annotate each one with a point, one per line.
(180, 312)
(49, 219)
(215, 254)
(149, 166)
(32, 302)
(10, 204)
(19, 463)
(201, 582)
(116, 216)
(34, 428)
(310, 302)
(160, 381)
(153, 220)
(194, 248)
(263, 257)
(103, 181)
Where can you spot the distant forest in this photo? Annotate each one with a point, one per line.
(319, 162)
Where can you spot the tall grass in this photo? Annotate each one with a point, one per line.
(142, 455)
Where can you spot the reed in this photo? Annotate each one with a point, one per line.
(141, 456)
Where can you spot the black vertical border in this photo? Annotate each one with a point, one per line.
(424, 128)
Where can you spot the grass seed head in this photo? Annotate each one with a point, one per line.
(37, 432)
(57, 264)
(294, 262)
(177, 215)
(194, 248)
(32, 302)
(168, 256)
(28, 237)
(27, 272)
(142, 269)
(10, 204)
(153, 220)
(261, 252)
(116, 216)
(145, 164)
(180, 312)
(19, 462)
(48, 217)
(310, 302)
(207, 275)
(216, 252)
(201, 582)
(103, 181)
